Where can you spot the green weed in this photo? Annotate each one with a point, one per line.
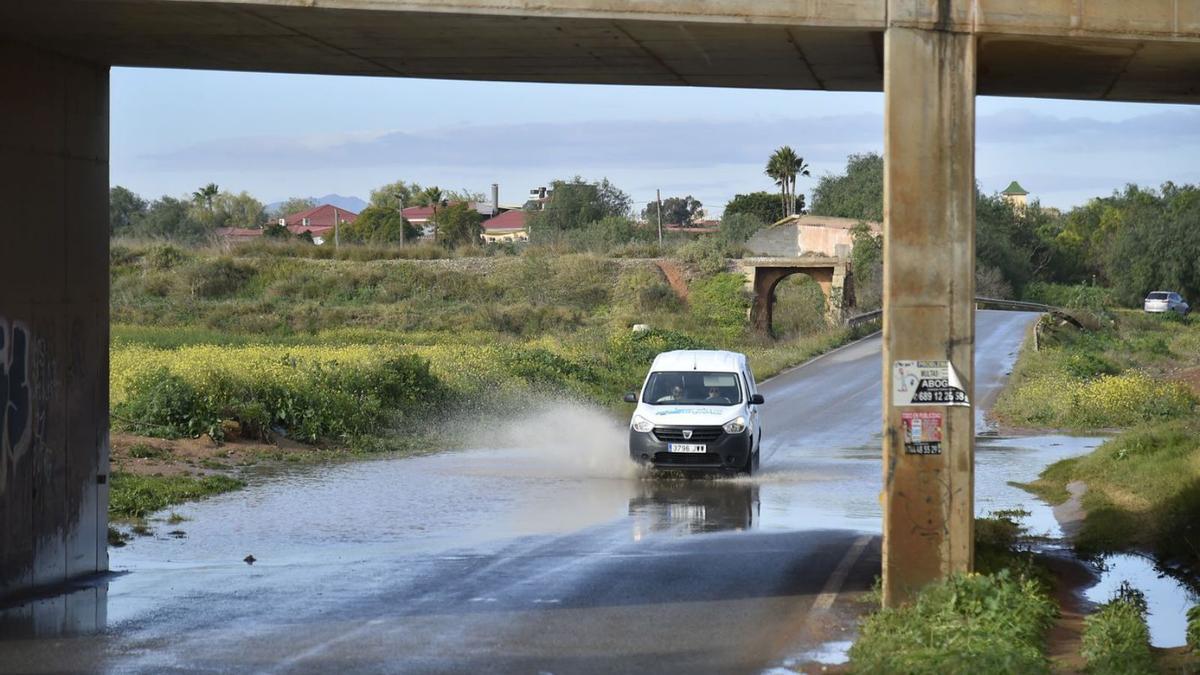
(1116, 639)
(133, 496)
(972, 623)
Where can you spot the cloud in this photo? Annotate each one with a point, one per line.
(686, 143)
(1160, 129)
(1061, 158)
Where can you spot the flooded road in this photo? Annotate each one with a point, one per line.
(540, 551)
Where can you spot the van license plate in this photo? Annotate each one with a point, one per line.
(699, 448)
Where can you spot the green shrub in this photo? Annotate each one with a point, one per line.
(1193, 627)
(966, 624)
(706, 254)
(544, 366)
(164, 257)
(1087, 365)
(643, 292)
(211, 279)
(720, 302)
(640, 347)
(1078, 296)
(1116, 639)
(1058, 399)
(311, 396)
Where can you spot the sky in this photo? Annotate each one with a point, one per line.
(278, 136)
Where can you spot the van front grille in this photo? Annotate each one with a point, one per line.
(698, 435)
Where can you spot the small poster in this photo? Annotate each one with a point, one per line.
(922, 432)
(926, 383)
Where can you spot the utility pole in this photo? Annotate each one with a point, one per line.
(336, 239)
(400, 201)
(658, 197)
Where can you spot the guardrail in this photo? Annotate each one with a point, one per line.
(868, 317)
(981, 303)
(1013, 305)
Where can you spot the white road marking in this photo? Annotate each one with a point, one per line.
(830, 592)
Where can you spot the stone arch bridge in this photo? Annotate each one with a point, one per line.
(762, 275)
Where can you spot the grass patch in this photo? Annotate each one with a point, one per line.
(134, 497)
(972, 623)
(1116, 639)
(145, 451)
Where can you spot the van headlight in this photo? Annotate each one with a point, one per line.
(736, 425)
(641, 424)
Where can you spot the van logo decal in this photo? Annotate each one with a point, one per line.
(687, 434)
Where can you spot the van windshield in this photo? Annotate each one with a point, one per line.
(1157, 295)
(692, 388)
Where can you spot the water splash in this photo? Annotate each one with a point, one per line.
(558, 438)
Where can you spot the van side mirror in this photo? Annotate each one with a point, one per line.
(631, 397)
(756, 399)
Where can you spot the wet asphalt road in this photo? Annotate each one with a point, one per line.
(542, 552)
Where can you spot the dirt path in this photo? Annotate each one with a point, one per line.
(145, 456)
(675, 277)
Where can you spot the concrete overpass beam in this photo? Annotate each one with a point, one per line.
(53, 318)
(928, 313)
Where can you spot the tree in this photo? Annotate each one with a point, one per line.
(459, 224)
(379, 225)
(783, 167)
(171, 218)
(240, 210)
(205, 196)
(737, 228)
(125, 210)
(856, 194)
(1156, 242)
(675, 211)
(292, 205)
(391, 195)
(575, 204)
(762, 205)
(866, 263)
(434, 197)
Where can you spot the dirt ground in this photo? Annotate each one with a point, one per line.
(196, 456)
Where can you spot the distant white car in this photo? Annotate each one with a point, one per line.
(1166, 301)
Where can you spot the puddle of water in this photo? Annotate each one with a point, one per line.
(830, 653)
(1167, 599)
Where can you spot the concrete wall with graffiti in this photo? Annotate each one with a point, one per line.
(53, 319)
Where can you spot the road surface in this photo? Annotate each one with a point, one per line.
(542, 551)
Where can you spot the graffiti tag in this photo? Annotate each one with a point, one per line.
(16, 411)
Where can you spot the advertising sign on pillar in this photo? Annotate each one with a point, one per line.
(922, 433)
(927, 383)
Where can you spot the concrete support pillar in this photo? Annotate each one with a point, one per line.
(840, 296)
(928, 287)
(53, 318)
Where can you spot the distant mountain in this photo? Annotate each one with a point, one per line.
(354, 204)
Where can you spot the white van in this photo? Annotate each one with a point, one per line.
(697, 410)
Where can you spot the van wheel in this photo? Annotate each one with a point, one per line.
(751, 464)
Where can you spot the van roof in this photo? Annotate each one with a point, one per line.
(699, 359)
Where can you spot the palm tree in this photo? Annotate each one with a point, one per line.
(206, 195)
(775, 171)
(432, 196)
(784, 166)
